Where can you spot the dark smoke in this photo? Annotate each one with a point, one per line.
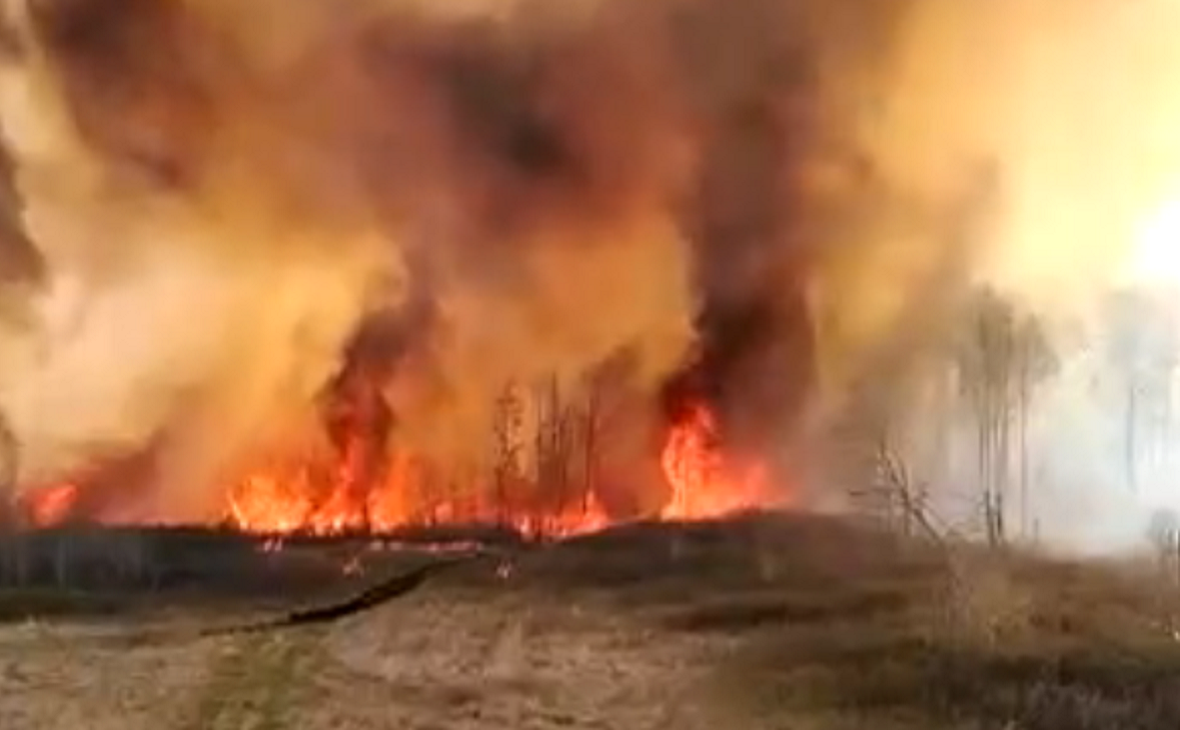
(508, 196)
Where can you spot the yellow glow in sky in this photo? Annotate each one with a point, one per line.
(1155, 257)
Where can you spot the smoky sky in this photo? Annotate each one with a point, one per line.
(447, 200)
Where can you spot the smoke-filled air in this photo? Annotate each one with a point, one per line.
(355, 265)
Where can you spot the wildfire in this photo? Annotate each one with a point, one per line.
(346, 496)
(272, 504)
(701, 480)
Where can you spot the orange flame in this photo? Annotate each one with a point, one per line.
(349, 494)
(704, 483)
(51, 505)
(275, 502)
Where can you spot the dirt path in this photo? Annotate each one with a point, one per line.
(432, 662)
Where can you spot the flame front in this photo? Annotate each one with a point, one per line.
(549, 476)
(276, 503)
(701, 484)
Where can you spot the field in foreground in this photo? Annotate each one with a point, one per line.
(763, 622)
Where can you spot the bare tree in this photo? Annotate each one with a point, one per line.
(1035, 361)
(1000, 363)
(507, 426)
(1142, 350)
(553, 440)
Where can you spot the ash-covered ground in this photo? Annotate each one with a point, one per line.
(767, 621)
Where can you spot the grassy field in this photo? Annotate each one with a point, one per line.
(767, 622)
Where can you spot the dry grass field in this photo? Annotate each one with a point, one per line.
(767, 622)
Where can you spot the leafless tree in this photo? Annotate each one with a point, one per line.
(1142, 351)
(1003, 358)
(507, 444)
(554, 440)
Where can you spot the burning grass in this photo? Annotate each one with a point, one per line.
(358, 488)
(764, 621)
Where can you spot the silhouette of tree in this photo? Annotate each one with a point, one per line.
(1143, 350)
(1003, 356)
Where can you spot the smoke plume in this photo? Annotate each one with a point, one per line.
(222, 211)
